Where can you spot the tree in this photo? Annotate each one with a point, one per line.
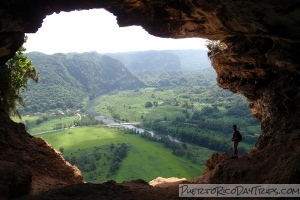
(61, 149)
(148, 104)
(14, 77)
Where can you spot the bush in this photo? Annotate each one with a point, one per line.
(61, 149)
(148, 104)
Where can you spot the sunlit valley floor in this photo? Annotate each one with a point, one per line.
(181, 104)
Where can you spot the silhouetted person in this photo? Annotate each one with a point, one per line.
(235, 139)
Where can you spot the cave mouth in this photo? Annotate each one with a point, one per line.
(261, 62)
(66, 37)
(79, 26)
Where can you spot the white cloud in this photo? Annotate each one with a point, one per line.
(97, 30)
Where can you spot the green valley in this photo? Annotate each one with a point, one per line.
(164, 92)
(196, 115)
(87, 146)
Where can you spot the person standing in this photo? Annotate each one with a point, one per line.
(236, 139)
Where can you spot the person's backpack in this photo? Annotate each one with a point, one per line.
(240, 137)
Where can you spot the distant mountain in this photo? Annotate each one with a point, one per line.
(193, 59)
(202, 77)
(67, 79)
(148, 60)
(185, 60)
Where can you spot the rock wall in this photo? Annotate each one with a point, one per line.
(24, 159)
(261, 62)
(266, 72)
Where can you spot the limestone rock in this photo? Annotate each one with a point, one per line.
(23, 156)
(261, 61)
(14, 180)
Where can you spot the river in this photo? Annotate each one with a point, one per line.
(112, 123)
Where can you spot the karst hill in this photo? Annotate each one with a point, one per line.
(260, 61)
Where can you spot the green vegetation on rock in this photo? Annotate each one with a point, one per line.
(14, 77)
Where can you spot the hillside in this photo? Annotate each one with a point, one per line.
(164, 60)
(67, 79)
(163, 78)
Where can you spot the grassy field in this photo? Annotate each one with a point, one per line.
(25, 119)
(218, 111)
(48, 125)
(145, 160)
(130, 105)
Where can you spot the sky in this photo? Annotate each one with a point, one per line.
(97, 30)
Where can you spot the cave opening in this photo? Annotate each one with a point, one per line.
(261, 62)
(88, 160)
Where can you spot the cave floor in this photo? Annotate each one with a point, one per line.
(137, 189)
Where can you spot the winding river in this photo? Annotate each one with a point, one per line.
(112, 123)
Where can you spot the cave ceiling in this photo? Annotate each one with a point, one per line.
(212, 19)
(262, 37)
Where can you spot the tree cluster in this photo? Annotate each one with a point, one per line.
(87, 120)
(84, 162)
(119, 153)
